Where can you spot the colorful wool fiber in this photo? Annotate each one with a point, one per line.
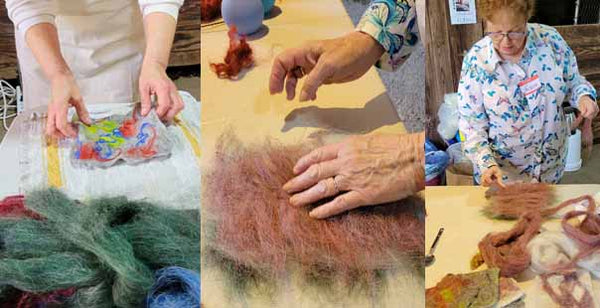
(210, 10)
(13, 298)
(50, 299)
(238, 57)
(14, 206)
(108, 249)
(254, 230)
(567, 290)
(131, 138)
(515, 200)
(477, 289)
(175, 287)
(508, 250)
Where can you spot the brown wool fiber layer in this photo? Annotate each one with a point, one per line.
(254, 225)
(517, 199)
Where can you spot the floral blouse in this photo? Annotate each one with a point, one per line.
(511, 114)
(393, 23)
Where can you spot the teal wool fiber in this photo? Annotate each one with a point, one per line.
(108, 248)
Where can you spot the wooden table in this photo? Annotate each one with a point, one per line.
(458, 210)
(252, 113)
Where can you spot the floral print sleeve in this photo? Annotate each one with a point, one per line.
(577, 85)
(393, 24)
(473, 119)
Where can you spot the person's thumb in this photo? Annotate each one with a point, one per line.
(82, 112)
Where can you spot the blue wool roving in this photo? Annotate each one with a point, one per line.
(175, 287)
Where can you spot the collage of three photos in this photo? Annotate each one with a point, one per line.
(299, 153)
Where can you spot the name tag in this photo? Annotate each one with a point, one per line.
(530, 85)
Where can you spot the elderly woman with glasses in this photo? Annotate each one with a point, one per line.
(512, 87)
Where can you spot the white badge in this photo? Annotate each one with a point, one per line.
(530, 85)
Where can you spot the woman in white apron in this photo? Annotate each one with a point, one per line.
(79, 52)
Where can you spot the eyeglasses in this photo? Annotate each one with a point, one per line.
(513, 36)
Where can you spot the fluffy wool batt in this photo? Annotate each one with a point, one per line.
(252, 226)
(517, 199)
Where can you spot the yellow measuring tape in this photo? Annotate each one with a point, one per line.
(53, 165)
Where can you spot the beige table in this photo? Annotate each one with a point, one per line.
(246, 107)
(458, 210)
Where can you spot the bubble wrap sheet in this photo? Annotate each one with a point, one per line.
(172, 181)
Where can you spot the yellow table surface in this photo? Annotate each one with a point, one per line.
(246, 107)
(458, 210)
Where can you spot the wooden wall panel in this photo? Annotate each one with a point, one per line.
(445, 50)
(8, 54)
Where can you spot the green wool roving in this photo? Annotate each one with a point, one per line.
(108, 248)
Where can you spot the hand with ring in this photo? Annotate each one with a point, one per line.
(360, 171)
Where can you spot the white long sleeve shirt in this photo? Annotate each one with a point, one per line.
(102, 41)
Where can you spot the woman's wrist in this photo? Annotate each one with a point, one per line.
(416, 146)
(150, 61)
(373, 49)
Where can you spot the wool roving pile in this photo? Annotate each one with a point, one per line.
(508, 250)
(253, 230)
(107, 249)
(514, 200)
(175, 287)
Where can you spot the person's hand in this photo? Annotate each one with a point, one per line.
(154, 80)
(361, 171)
(587, 107)
(64, 93)
(328, 61)
(492, 175)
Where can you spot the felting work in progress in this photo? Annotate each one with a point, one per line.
(108, 252)
(121, 154)
(478, 289)
(555, 265)
(254, 237)
(130, 138)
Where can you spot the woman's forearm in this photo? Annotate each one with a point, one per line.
(43, 41)
(160, 30)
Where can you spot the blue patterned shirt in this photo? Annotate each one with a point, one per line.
(522, 133)
(393, 23)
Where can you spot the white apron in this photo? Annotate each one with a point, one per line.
(102, 41)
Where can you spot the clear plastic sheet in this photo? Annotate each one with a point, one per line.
(173, 181)
(130, 138)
